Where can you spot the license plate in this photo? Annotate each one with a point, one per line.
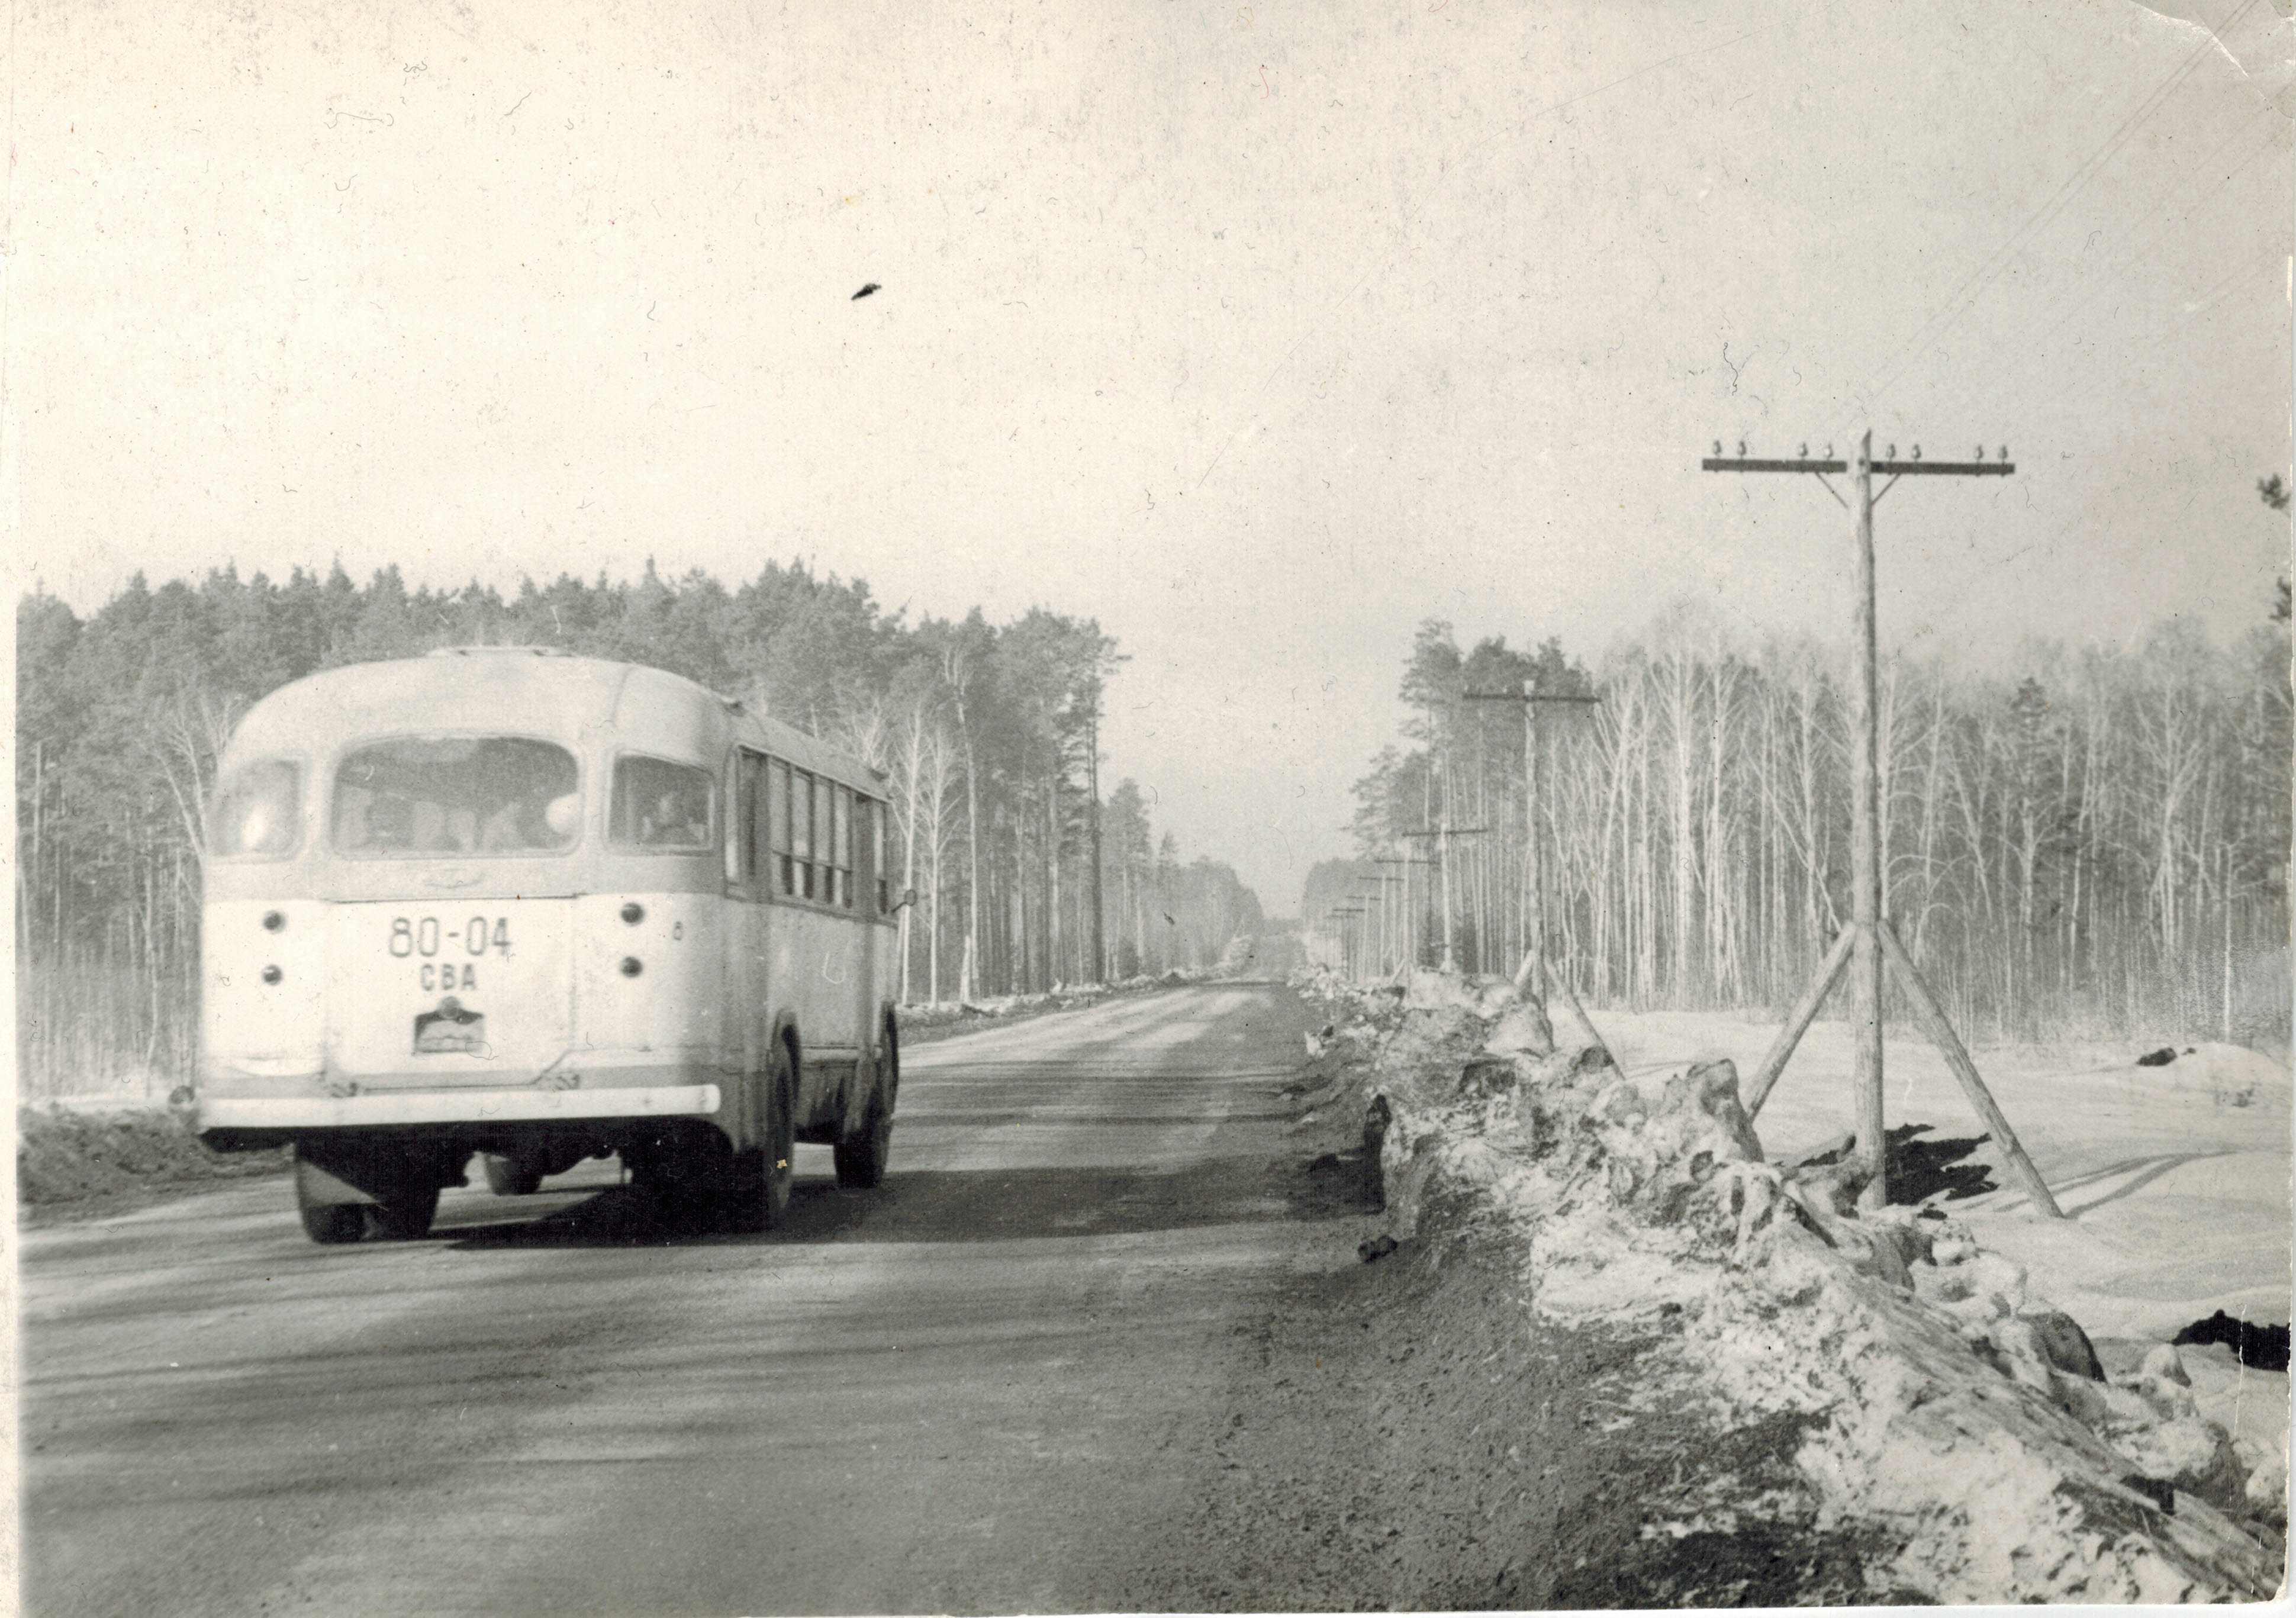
(452, 1030)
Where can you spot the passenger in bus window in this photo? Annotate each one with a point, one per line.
(535, 811)
(506, 828)
(389, 823)
(679, 817)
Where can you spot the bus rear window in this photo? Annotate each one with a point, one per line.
(661, 805)
(259, 810)
(457, 794)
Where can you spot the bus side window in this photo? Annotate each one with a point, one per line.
(825, 848)
(756, 856)
(747, 775)
(801, 831)
(841, 845)
(877, 857)
(777, 815)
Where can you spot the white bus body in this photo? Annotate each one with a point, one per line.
(543, 908)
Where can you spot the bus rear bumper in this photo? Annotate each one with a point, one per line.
(481, 1106)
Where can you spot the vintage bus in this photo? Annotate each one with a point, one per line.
(506, 901)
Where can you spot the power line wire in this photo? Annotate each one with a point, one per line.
(1975, 286)
(2013, 365)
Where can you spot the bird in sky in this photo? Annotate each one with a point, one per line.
(865, 291)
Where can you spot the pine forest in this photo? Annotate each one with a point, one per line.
(987, 734)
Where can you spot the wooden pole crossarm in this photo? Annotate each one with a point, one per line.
(1885, 469)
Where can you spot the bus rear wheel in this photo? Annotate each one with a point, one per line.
(344, 1189)
(331, 1224)
(406, 1215)
(759, 1199)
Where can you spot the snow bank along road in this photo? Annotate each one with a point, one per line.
(976, 1389)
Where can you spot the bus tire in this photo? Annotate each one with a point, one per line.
(757, 1195)
(333, 1211)
(861, 1160)
(406, 1214)
(507, 1177)
(780, 1153)
(332, 1224)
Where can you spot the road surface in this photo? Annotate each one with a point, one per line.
(979, 1388)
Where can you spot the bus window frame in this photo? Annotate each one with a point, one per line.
(880, 878)
(801, 847)
(299, 819)
(831, 876)
(745, 790)
(840, 844)
(328, 848)
(782, 871)
(679, 851)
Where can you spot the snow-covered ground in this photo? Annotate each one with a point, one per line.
(2175, 1179)
(1935, 1367)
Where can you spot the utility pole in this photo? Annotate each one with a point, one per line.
(1534, 970)
(1099, 936)
(1869, 937)
(1350, 959)
(1443, 832)
(1406, 925)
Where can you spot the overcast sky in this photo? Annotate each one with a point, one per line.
(1257, 332)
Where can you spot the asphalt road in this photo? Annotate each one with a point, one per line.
(979, 1388)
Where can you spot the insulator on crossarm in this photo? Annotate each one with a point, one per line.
(1741, 449)
(1718, 448)
(1805, 452)
(1917, 451)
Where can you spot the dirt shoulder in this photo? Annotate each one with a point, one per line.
(1407, 1435)
(72, 1164)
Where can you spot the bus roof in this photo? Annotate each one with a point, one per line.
(524, 690)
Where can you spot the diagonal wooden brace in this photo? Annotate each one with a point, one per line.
(1798, 1021)
(1934, 1024)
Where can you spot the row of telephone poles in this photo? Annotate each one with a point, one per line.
(1860, 949)
(1441, 835)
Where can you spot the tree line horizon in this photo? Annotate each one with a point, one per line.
(986, 733)
(2098, 842)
